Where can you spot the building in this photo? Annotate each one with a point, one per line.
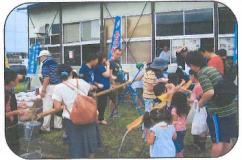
(72, 31)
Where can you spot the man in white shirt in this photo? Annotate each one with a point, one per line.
(165, 54)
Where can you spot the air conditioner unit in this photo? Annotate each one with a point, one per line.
(43, 30)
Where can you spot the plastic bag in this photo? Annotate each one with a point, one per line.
(192, 112)
(199, 123)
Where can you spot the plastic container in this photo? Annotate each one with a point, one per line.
(31, 129)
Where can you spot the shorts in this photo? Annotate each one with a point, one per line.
(222, 129)
(179, 141)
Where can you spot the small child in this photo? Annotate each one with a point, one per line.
(159, 89)
(179, 111)
(161, 133)
(199, 140)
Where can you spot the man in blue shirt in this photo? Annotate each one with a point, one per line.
(86, 71)
(50, 79)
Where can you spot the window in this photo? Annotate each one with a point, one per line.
(31, 41)
(89, 49)
(143, 28)
(109, 28)
(90, 30)
(207, 42)
(226, 20)
(55, 53)
(55, 39)
(56, 29)
(199, 21)
(160, 44)
(139, 52)
(71, 32)
(169, 23)
(47, 40)
(72, 55)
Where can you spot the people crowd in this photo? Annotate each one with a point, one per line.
(164, 128)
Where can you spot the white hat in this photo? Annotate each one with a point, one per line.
(44, 53)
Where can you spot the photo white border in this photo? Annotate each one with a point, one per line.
(7, 6)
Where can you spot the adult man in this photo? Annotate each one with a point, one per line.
(180, 57)
(221, 119)
(50, 79)
(165, 54)
(230, 69)
(213, 60)
(117, 75)
(116, 66)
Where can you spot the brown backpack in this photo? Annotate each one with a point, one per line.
(84, 109)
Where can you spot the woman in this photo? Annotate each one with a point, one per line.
(11, 129)
(83, 140)
(102, 76)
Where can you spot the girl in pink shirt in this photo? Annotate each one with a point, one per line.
(179, 113)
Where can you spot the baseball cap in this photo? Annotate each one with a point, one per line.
(44, 53)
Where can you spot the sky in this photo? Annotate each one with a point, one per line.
(16, 31)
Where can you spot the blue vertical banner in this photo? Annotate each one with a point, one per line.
(235, 56)
(32, 61)
(116, 37)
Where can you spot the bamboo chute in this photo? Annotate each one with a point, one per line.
(53, 110)
(165, 98)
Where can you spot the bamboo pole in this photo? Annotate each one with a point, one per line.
(46, 113)
(111, 89)
(137, 122)
(53, 111)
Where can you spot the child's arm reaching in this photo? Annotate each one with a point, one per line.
(150, 137)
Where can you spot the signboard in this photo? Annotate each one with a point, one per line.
(116, 37)
(71, 55)
(33, 62)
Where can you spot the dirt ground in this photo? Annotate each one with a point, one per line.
(51, 145)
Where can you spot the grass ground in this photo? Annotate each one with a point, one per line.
(52, 146)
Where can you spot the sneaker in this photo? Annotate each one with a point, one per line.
(103, 122)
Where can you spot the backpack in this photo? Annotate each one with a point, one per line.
(225, 92)
(84, 109)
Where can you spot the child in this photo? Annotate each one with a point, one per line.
(151, 77)
(159, 89)
(160, 134)
(199, 140)
(179, 111)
